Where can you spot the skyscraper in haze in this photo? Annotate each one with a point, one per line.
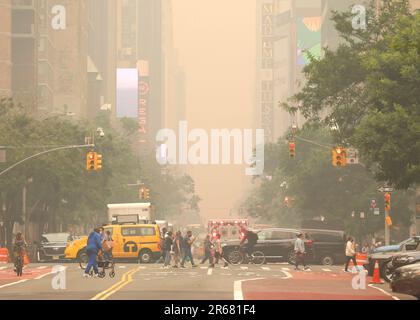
(5, 48)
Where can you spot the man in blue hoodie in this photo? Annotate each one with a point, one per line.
(94, 244)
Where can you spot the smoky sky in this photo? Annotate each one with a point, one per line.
(216, 46)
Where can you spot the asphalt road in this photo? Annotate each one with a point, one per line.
(151, 282)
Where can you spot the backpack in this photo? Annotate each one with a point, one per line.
(252, 236)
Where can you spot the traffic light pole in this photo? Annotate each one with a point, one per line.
(387, 230)
(45, 152)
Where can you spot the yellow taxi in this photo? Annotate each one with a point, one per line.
(131, 241)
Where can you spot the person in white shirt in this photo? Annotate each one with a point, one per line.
(300, 252)
(350, 253)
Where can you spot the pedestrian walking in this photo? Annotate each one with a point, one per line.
(300, 252)
(168, 246)
(177, 250)
(187, 253)
(350, 253)
(207, 250)
(163, 236)
(219, 252)
(94, 244)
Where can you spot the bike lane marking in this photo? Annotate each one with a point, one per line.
(237, 288)
(383, 291)
(13, 283)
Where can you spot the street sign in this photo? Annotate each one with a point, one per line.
(352, 156)
(376, 211)
(385, 189)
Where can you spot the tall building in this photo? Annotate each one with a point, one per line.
(286, 30)
(5, 48)
(71, 45)
(24, 52)
(145, 42)
(101, 59)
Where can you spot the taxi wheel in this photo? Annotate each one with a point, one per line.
(145, 256)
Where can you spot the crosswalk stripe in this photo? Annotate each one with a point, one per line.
(326, 270)
(3, 268)
(244, 268)
(203, 268)
(42, 267)
(286, 269)
(265, 268)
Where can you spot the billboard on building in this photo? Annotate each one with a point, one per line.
(127, 93)
(308, 39)
(144, 96)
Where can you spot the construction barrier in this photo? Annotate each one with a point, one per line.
(361, 260)
(4, 255)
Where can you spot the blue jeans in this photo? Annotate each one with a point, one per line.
(187, 254)
(92, 262)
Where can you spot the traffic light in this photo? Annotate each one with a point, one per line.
(98, 161)
(339, 157)
(387, 198)
(292, 149)
(142, 193)
(90, 161)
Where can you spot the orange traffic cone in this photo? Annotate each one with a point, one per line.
(376, 277)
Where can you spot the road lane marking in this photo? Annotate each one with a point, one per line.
(122, 267)
(13, 283)
(383, 291)
(125, 279)
(288, 275)
(266, 268)
(203, 267)
(209, 271)
(237, 288)
(3, 268)
(244, 268)
(285, 269)
(42, 267)
(326, 270)
(43, 275)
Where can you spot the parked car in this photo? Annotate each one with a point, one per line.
(328, 246)
(400, 260)
(52, 246)
(277, 244)
(406, 280)
(384, 258)
(396, 247)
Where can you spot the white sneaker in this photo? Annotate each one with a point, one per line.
(85, 275)
(96, 275)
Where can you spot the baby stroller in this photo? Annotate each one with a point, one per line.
(105, 264)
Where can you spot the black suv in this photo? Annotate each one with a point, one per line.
(277, 244)
(328, 246)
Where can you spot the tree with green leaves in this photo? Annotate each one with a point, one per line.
(367, 90)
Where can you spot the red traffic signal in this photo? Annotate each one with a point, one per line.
(292, 149)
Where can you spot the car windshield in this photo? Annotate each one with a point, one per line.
(56, 237)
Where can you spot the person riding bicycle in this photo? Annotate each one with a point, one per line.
(251, 238)
(19, 248)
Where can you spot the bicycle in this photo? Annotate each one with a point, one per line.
(19, 265)
(239, 255)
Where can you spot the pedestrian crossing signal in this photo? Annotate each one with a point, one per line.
(98, 161)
